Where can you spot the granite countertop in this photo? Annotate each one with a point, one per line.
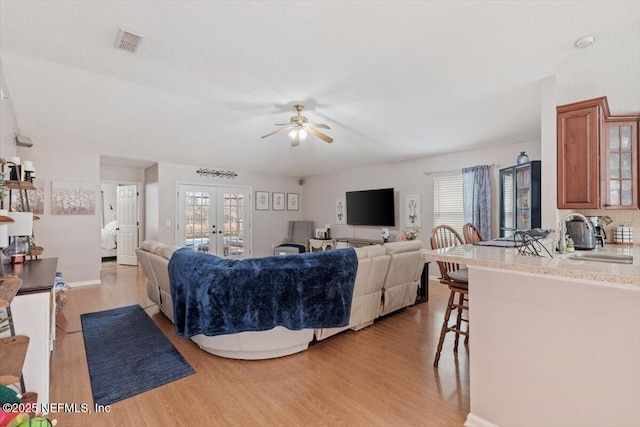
(560, 265)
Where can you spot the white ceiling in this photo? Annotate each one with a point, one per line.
(394, 80)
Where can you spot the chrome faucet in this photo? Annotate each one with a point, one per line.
(562, 241)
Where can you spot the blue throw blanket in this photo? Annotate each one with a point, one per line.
(214, 296)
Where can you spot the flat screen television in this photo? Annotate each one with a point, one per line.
(371, 207)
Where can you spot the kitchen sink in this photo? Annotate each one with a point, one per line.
(611, 258)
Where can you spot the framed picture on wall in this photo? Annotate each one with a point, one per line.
(262, 200)
(73, 198)
(278, 201)
(413, 214)
(292, 201)
(341, 210)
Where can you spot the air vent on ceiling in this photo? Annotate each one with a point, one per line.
(128, 41)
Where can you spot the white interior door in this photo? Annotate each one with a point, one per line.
(214, 219)
(127, 199)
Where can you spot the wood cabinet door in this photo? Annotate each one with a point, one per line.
(619, 167)
(578, 159)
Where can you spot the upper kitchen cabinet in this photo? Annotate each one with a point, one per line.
(620, 163)
(597, 157)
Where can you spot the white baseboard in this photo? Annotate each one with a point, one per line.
(84, 283)
(476, 421)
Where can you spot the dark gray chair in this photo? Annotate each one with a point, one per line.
(298, 239)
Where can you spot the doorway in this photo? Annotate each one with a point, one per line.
(215, 219)
(120, 222)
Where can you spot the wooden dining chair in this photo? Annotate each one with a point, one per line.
(13, 351)
(471, 233)
(456, 277)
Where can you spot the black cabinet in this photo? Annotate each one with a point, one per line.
(520, 198)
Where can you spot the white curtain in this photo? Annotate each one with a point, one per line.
(476, 190)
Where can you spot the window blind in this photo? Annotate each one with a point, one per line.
(448, 206)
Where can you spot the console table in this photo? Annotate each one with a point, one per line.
(345, 242)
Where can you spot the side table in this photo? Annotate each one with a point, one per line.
(318, 245)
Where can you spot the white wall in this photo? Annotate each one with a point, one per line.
(268, 227)
(73, 239)
(108, 204)
(8, 125)
(549, 152)
(406, 178)
(152, 197)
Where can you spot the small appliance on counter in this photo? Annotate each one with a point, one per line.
(582, 234)
(599, 222)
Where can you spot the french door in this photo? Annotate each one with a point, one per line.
(215, 219)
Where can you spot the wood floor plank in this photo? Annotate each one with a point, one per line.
(379, 376)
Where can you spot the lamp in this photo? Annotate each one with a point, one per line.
(22, 225)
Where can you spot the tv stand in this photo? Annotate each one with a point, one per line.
(353, 242)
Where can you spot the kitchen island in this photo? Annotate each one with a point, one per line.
(554, 341)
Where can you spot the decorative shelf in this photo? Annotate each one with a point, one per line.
(19, 185)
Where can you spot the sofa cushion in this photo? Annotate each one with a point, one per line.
(150, 245)
(403, 246)
(165, 251)
(375, 250)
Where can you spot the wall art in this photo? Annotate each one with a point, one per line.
(341, 210)
(35, 198)
(292, 201)
(412, 211)
(278, 201)
(73, 198)
(262, 200)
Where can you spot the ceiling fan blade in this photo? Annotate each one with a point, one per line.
(318, 134)
(320, 125)
(276, 131)
(283, 124)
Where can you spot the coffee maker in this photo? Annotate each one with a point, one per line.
(599, 223)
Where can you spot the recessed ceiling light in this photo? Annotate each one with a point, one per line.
(585, 42)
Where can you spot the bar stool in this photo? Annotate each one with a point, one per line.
(456, 277)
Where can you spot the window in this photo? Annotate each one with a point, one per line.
(448, 205)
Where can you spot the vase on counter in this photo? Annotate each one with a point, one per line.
(523, 158)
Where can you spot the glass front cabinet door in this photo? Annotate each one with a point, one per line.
(620, 165)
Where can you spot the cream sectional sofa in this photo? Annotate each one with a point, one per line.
(386, 280)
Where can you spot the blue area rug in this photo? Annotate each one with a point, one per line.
(128, 354)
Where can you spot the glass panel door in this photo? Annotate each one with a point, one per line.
(523, 201)
(232, 211)
(507, 223)
(195, 216)
(214, 220)
(621, 167)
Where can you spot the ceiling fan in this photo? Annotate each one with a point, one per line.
(300, 127)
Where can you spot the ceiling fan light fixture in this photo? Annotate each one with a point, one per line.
(300, 134)
(299, 128)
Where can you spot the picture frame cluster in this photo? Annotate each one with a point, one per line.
(279, 201)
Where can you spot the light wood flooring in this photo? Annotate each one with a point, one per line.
(379, 376)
